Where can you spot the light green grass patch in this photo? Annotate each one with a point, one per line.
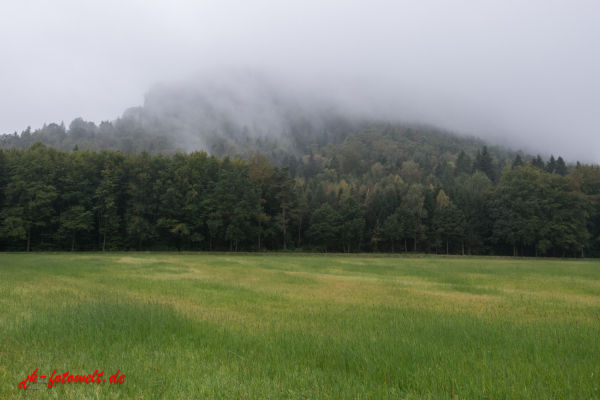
(284, 327)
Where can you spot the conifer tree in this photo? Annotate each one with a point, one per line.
(518, 161)
(463, 163)
(551, 166)
(283, 189)
(561, 168)
(538, 162)
(485, 164)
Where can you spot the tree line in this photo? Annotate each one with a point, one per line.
(97, 201)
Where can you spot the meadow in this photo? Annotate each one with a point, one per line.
(228, 326)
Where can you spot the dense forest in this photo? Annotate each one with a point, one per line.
(338, 186)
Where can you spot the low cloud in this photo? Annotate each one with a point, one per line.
(519, 74)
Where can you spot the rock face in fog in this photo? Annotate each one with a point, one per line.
(134, 112)
(235, 113)
(210, 113)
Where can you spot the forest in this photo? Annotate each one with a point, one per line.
(361, 187)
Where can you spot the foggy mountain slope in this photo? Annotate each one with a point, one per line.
(238, 112)
(229, 114)
(210, 114)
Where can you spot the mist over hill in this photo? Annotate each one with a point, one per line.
(237, 112)
(222, 160)
(224, 110)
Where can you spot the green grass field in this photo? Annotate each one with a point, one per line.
(283, 327)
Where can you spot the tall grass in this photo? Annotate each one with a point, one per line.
(229, 327)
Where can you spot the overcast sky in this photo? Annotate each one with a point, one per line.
(522, 73)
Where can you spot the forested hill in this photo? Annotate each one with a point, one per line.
(236, 116)
(281, 174)
(92, 201)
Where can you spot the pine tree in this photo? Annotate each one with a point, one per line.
(106, 204)
(561, 168)
(448, 221)
(324, 226)
(538, 162)
(463, 163)
(30, 193)
(415, 201)
(352, 222)
(551, 166)
(74, 220)
(283, 190)
(518, 162)
(484, 163)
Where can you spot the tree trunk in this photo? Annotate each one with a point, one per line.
(582, 253)
(463, 247)
(415, 244)
(99, 227)
(299, 230)
(236, 247)
(392, 246)
(284, 228)
(28, 238)
(104, 242)
(514, 250)
(73, 242)
(447, 252)
(231, 245)
(405, 248)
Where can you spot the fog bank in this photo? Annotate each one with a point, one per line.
(520, 74)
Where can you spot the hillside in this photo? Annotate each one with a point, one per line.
(208, 167)
(239, 115)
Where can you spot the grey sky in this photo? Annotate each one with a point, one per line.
(522, 73)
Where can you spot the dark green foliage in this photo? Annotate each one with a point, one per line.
(448, 221)
(531, 207)
(518, 161)
(463, 163)
(75, 219)
(484, 163)
(551, 165)
(352, 223)
(399, 226)
(324, 227)
(29, 193)
(377, 189)
(283, 191)
(538, 162)
(561, 167)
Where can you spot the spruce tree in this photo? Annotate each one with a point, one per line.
(538, 162)
(561, 168)
(551, 166)
(485, 164)
(518, 162)
(463, 163)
